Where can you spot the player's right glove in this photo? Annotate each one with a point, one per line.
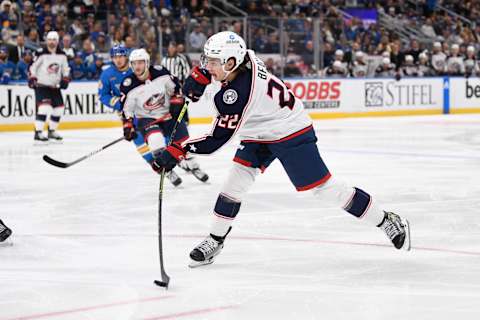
(32, 82)
(168, 158)
(64, 82)
(196, 83)
(129, 129)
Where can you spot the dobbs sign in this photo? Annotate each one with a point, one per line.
(317, 94)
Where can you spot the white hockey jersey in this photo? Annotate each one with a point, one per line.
(256, 106)
(49, 68)
(149, 98)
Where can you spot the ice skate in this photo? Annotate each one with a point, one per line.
(397, 230)
(5, 232)
(207, 250)
(191, 166)
(39, 136)
(173, 178)
(52, 134)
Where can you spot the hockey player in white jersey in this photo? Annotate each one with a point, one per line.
(271, 124)
(48, 74)
(146, 98)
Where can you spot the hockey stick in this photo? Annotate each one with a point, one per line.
(64, 165)
(165, 278)
(60, 164)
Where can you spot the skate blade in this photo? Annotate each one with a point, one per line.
(195, 264)
(203, 178)
(407, 243)
(40, 143)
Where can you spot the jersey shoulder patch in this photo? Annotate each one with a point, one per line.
(127, 82)
(233, 98)
(230, 96)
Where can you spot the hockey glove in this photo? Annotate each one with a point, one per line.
(64, 83)
(168, 158)
(32, 82)
(129, 129)
(176, 104)
(196, 83)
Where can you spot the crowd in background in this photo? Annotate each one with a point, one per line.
(89, 28)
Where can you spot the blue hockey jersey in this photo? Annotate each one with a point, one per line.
(109, 86)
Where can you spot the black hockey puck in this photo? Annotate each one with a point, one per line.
(161, 283)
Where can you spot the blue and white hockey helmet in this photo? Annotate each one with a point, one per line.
(118, 50)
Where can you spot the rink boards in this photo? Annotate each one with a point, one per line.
(323, 98)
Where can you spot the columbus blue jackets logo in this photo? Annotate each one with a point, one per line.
(156, 101)
(230, 96)
(53, 68)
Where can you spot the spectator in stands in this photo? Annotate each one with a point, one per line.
(415, 49)
(359, 67)
(78, 69)
(428, 29)
(328, 54)
(67, 47)
(409, 68)
(396, 56)
(76, 28)
(23, 65)
(151, 12)
(7, 67)
(471, 64)
(130, 42)
(197, 39)
(8, 12)
(291, 69)
(336, 70)
(339, 56)
(95, 69)
(102, 47)
(259, 40)
(59, 8)
(455, 66)
(272, 67)
(386, 69)
(273, 44)
(88, 53)
(15, 53)
(178, 32)
(32, 41)
(424, 67)
(438, 60)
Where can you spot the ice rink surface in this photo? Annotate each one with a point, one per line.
(85, 245)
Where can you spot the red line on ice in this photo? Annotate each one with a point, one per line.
(191, 313)
(101, 306)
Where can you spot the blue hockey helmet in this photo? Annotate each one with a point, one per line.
(118, 50)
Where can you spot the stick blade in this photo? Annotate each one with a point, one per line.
(163, 284)
(54, 162)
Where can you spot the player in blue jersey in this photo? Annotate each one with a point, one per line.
(109, 92)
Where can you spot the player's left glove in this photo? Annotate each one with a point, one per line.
(176, 104)
(64, 82)
(168, 157)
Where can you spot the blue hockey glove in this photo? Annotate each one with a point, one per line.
(168, 157)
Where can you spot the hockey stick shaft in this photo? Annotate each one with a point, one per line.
(64, 165)
(165, 277)
(60, 164)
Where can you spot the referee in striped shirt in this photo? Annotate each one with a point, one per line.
(177, 64)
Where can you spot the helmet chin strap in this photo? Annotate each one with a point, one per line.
(227, 73)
